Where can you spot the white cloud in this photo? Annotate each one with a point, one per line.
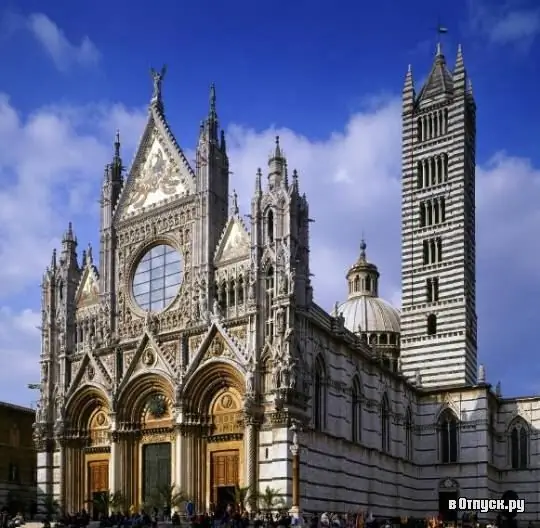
(63, 53)
(351, 178)
(506, 24)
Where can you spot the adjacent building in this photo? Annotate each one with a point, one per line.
(17, 459)
(188, 354)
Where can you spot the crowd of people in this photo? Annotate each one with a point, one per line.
(232, 517)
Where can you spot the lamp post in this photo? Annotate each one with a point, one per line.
(295, 451)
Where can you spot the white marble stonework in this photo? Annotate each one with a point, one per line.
(392, 411)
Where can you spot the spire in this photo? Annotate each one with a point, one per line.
(277, 165)
(212, 120)
(68, 235)
(439, 82)
(460, 65)
(115, 168)
(258, 178)
(117, 144)
(408, 93)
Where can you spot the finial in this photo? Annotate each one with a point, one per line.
(213, 97)
(409, 68)
(117, 144)
(89, 259)
(277, 152)
(234, 203)
(363, 247)
(53, 259)
(258, 178)
(439, 50)
(481, 374)
(336, 308)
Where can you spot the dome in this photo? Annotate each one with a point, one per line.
(369, 314)
(364, 310)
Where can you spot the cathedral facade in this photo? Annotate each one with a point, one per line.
(188, 355)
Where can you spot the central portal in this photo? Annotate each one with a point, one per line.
(156, 468)
(224, 477)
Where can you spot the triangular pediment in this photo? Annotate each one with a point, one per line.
(148, 357)
(160, 171)
(217, 345)
(90, 371)
(235, 243)
(88, 290)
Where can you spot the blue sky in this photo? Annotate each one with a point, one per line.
(327, 78)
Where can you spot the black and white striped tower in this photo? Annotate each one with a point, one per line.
(438, 321)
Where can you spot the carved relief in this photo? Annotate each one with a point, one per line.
(239, 334)
(148, 357)
(158, 179)
(195, 344)
(227, 414)
(218, 348)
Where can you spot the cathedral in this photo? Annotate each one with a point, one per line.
(190, 351)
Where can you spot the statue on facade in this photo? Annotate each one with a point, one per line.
(250, 376)
(216, 310)
(283, 283)
(157, 78)
(292, 278)
(276, 373)
(251, 287)
(280, 320)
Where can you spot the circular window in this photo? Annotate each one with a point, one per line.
(157, 278)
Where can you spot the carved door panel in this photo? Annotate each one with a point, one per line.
(224, 471)
(98, 485)
(98, 476)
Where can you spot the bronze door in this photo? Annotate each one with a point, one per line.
(224, 473)
(156, 468)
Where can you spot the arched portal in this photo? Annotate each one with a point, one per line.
(86, 450)
(213, 399)
(144, 450)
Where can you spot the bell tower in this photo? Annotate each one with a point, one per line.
(438, 320)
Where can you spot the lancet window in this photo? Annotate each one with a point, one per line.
(519, 444)
(448, 437)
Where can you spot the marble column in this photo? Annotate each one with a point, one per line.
(251, 456)
(179, 480)
(115, 476)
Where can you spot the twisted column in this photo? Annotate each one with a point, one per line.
(251, 455)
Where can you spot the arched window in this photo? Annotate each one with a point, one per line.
(408, 435)
(356, 410)
(232, 294)
(270, 226)
(519, 444)
(385, 424)
(431, 324)
(319, 395)
(448, 437)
